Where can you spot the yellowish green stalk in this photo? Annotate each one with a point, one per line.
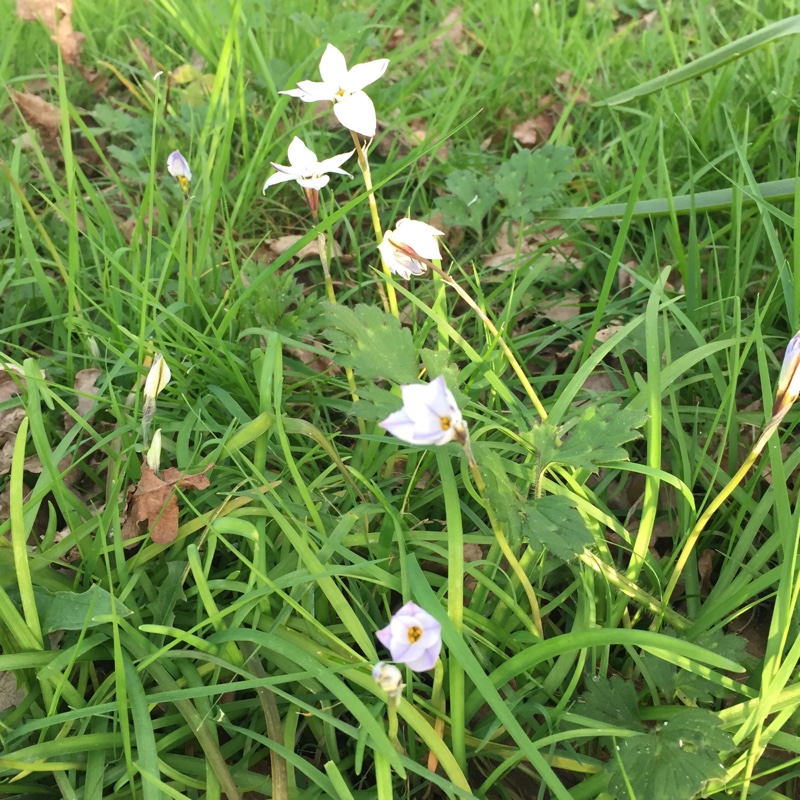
(512, 360)
(363, 163)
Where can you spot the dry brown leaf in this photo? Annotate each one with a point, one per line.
(69, 41)
(42, 116)
(155, 502)
(273, 248)
(452, 29)
(85, 386)
(56, 15)
(534, 131)
(566, 307)
(46, 11)
(145, 56)
(10, 695)
(315, 361)
(11, 381)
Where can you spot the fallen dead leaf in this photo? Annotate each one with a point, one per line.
(86, 389)
(155, 502)
(56, 16)
(534, 131)
(272, 248)
(567, 306)
(452, 30)
(42, 116)
(10, 695)
(145, 56)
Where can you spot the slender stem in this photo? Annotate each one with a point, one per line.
(505, 547)
(363, 163)
(189, 246)
(439, 702)
(515, 365)
(391, 712)
(699, 526)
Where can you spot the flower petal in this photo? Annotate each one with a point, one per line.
(426, 660)
(384, 636)
(313, 91)
(400, 425)
(363, 75)
(419, 236)
(357, 113)
(278, 177)
(315, 182)
(333, 164)
(333, 66)
(301, 157)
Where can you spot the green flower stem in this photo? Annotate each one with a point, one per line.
(391, 713)
(505, 547)
(515, 365)
(699, 526)
(439, 703)
(363, 163)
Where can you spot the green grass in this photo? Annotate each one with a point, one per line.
(235, 662)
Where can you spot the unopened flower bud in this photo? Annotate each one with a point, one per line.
(390, 679)
(153, 458)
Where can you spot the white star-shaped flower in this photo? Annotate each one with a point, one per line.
(344, 87)
(429, 415)
(306, 169)
(406, 248)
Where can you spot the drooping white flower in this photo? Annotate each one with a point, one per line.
(789, 380)
(306, 169)
(178, 167)
(429, 415)
(157, 378)
(408, 247)
(344, 87)
(413, 637)
(390, 679)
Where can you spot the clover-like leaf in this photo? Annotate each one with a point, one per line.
(471, 198)
(555, 524)
(674, 762)
(596, 438)
(372, 342)
(529, 179)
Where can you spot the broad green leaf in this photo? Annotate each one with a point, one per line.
(596, 438)
(611, 701)
(74, 611)
(555, 524)
(471, 198)
(674, 762)
(372, 342)
(528, 180)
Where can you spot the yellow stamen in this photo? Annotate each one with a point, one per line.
(414, 634)
(446, 423)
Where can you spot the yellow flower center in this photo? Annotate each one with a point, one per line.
(414, 634)
(446, 423)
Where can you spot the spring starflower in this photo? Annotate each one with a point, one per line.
(153, 457)
(408, 247)
(390, 679)
(343, 87)
(413, 637)
(178, 167)
(789, 380)
(429, 415)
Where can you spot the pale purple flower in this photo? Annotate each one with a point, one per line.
(344, 88)
(413, 637)
(390, 679)
(429, 415)
(306, 169)
(789, 379)
(407, 248)
(178, 167)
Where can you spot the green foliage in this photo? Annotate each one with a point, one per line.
(529, 179)
(471, 198)
(75, 611)
(372, 342)
(611, 702)
(281, 305)
(594, 439)
(674, 762)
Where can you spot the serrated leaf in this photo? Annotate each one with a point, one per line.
(502, 496)
(471, 198)
(529, 179)
(595, 439)
(372, 342)
(555, 524)
(612, 702)
(674, 762)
